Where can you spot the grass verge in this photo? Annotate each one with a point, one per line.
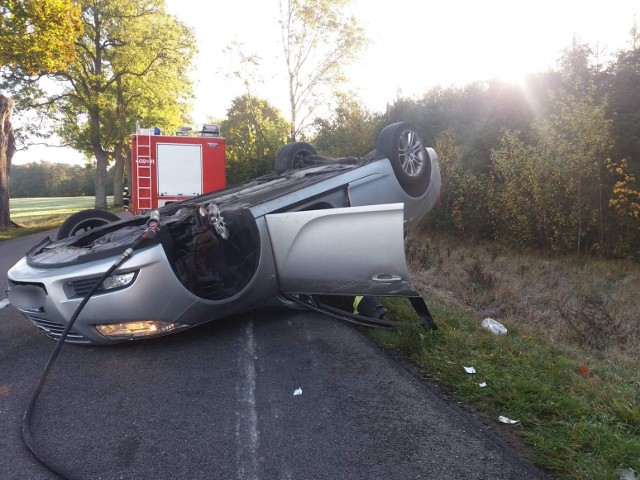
(580, 417)
(32, 227)
(26, 211)
(39, 214)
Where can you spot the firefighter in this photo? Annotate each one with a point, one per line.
(368, 307)
(358, 305)
(126, 197)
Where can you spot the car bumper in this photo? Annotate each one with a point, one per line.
(154, 295)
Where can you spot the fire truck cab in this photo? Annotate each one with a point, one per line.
(169, 168)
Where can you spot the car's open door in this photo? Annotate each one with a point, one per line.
(341, 251)
(344, 251)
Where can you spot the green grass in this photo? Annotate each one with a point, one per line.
(35, 210)
(578, 427)
(39, 214)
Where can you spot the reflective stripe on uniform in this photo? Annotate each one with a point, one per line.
(356, 303)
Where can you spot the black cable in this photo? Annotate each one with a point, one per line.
(27, 438)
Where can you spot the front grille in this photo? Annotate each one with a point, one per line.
(35, 284)
(54, 330)
(80, 287)
(27, 296)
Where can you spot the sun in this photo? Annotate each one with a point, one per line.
(512, 76)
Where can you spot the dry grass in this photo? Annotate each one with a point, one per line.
(567, 369)
(586, 302)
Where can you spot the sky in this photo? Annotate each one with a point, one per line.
(414, 46)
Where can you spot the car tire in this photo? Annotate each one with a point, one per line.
(292, 156)
(401, 144)
(83, 221)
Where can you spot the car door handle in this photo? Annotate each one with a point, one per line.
(386, 278)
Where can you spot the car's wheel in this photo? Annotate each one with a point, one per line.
(83, 221)
(292, 156)
(401, 144)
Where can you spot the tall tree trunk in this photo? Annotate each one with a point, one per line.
(95, 115)
(102, 159)
(101, 178)
(601, 175)
(579, 217)
(293, 110)
(7, 149)
(120, 151)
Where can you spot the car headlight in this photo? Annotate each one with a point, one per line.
(80, 287)
(141, 328)
(118, 280)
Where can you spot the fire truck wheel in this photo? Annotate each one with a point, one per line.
(84, 221)
(292, 156)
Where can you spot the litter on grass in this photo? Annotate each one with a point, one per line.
(494, 326)
(4, 303)
(508, 420)
(469, 369)
(627, 474)
(482, 385)
(584, 370)
(298, 391)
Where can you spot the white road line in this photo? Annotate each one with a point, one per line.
(246, 416)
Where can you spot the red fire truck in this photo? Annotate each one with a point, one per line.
(168, 168)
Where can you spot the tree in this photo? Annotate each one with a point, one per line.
(625, 201)
(318, 39)
(521, 206)
(38, 35)
(578, 69)
(7, 149)
(351, 130)
(155, 91)
(624, 103)
(476, 114)
(130, 67)
(626, 193)
(448, 152)
(30, 180)
(35, 36)
(578, 133)
(47, 179)
(254, 131)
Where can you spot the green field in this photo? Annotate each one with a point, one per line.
(31, 211)
(43, 213)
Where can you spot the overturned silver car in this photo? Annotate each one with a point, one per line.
(316, 228)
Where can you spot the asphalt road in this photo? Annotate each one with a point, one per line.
(217, 402)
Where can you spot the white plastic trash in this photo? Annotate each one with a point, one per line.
(482, 385)
(627, 474)
(469, 370)
(508, 420)
(298, 391)
(4, 303)
(494, 326)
